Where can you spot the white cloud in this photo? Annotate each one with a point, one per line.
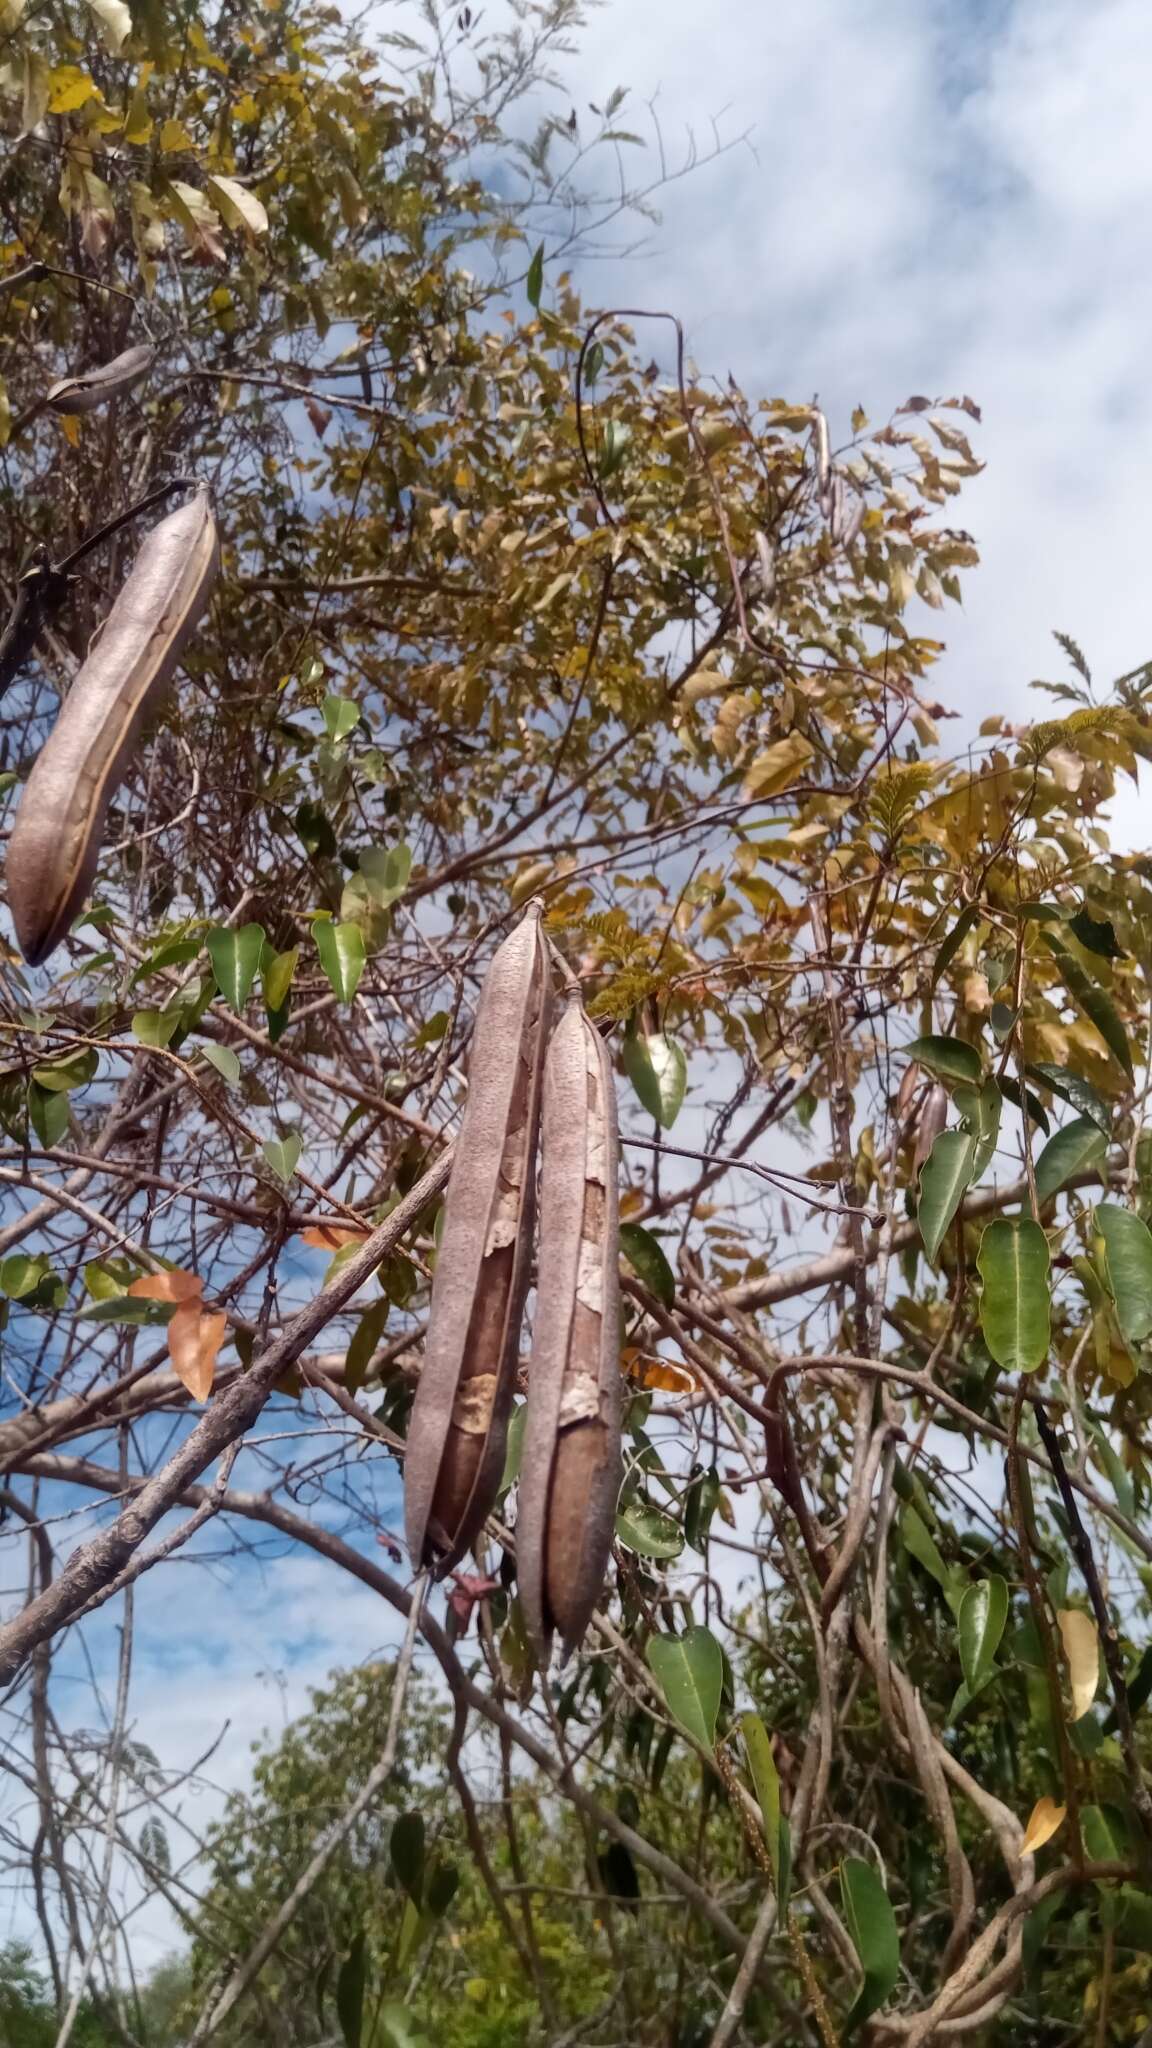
(941, 200)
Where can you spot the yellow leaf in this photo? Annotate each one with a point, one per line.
(1082, 1650)
(240, 208)
(69, 426)
(175, 139)
(69, 88)
(779, 766)
(1043, 1822)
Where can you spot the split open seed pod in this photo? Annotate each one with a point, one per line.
(55, 844)
(571, 1464)
(457, 1435)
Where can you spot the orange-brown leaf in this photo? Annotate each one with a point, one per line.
(175, 1286)
(1043, 1822)
(194, 1339)
(330, 1237)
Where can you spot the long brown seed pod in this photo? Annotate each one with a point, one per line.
(457, 1435)
(95, 387)
(55, 843)
(571, 1464)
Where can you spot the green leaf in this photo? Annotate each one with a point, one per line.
(949, 1058)
(282, 1155)
(73, 1072)
(1128, 1255)
(1069, 1151)
(954, 941)
(155, 1027)
(21, 1274)
(441, 1887)
(513, 1449)
(1074, 1090)
(644, 1529)
(872, 1925)
(1096, 935)
(363, 1342)
(341, 950)
(406, 1851)
(276, 971)
(341, 717)
(656, 1066)
(700, 1504)
(944, 1176)
(645, 1254)
(534, 282)
(235, 958)
(350, 1986)
(766, 1779)
(689, 1670)
(397, 2029)
(920, 1543)
(1096, 1005)
(49, 1114)
(223, 1059)
(980, 1625)
(386, 872)
(981, 1109)
(1118, 1478)
(315, 831)
(1013, 1264)
(1023, 1099)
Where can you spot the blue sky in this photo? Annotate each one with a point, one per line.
(931, 199)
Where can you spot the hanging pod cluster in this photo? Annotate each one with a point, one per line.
(55, 843)
(457, 1436)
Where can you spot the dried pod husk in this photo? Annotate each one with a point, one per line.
(95, 387)
(55, 843)
(571, 1464)
(457, 1435)
(932, 1120)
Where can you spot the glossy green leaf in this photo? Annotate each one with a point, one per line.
(63, 1075)
(944, 1177)
(920, 1543)
(1024, 1100)
(48, 1113)
(1097, 1006)
(656, 1066)
(871, 1923)
(235, 958)
(282, 1155)
(766, 1779)
(644, 1529)
(406, 1852)
(350, 1985)
(1071, 1150)
(386, 871)
(534, 282)
(1128, 1257)
(954, 941)
(155, 1027)
(979, 1628)
(949, 1058)
(1015, 1308)
(980, 1110)
(341, 717)
(276, 972)
(1074, 1090)
(341, 950)
(689, 1670)
(645, 1254)
(223, 1059)
(364, 1342)
(700, 1504)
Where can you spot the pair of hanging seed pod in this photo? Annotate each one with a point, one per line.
(55, 844)
(526, 1084)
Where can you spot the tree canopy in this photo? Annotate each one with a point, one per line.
(519, 605)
